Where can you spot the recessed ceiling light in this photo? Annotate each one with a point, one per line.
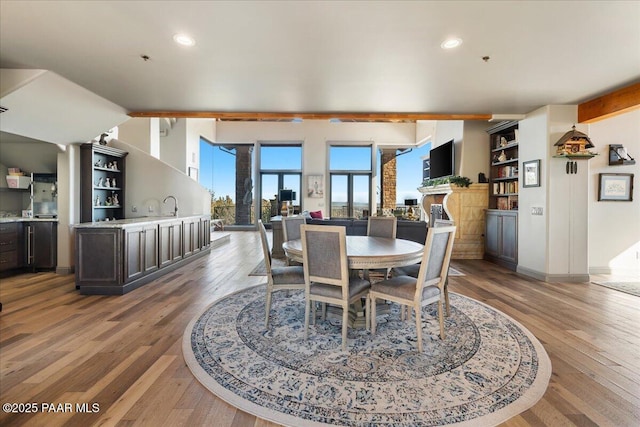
(451, 43)
(184, 40)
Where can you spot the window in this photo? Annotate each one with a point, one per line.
(226, 170)
(350, 171)
(280, 168)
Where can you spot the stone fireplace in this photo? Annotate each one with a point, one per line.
(466, 207)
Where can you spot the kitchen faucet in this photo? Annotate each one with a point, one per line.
(175, 208)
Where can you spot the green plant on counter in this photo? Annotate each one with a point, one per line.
(459, 181)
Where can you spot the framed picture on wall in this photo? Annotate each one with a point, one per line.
(531, 173)
(615, 187)
(315, 188)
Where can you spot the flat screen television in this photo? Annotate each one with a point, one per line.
(442, 160)
(286, 195)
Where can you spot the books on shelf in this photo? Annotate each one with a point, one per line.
(507, 172)
(505, 187)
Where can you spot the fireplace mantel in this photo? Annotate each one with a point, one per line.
(466, 207)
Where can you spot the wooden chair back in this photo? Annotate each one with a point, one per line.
(291, 227)
(382, 226)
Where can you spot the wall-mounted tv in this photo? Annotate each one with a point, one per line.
(442, 160)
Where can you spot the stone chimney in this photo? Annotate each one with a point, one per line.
(388, 179)
(244, 185)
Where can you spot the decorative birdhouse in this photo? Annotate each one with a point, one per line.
(574, 143)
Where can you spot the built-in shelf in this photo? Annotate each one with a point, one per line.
(94, 161)
(574, 156)
(505, 162)
(510, 144)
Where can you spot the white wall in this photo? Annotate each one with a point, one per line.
(446, 130)
(173, 147)
(149, 181)
(532, 229)
(141, 133)
(475, 150)
(68, 206)
(315, 136)
(197, 128)
(425, 130)
(614, 227)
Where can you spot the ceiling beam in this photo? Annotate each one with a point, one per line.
(390, 117)
(609, 105)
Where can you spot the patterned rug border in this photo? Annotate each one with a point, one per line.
(526, 401)
(631, 288)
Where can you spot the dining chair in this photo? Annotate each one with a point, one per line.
(427, 288)
(381, 226)
(413, 269)
(326, 274)
(291, 231)
(278, 278)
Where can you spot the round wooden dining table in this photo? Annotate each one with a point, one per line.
(367, 252)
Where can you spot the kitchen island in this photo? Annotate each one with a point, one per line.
(116, 257)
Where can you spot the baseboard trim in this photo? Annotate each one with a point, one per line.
(570, 278)
(553, 278)
(534, 274)
(65, 270)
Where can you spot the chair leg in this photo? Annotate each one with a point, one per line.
(345, 320)
(268, 306)
(313, 312)
(441, 318)
(418, 313)
(446, 297)
(372, 316)
(306, 318)
(367, 314)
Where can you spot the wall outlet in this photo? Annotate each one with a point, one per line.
(134, 209)
(150, 208)
(536, 211)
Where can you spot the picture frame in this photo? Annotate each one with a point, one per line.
(615, 187)
(531, 173)
(193, 173)
(315, 186)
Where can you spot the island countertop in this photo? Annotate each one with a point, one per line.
(21, 219)
(134, 222)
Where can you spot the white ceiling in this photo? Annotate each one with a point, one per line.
(330, 56)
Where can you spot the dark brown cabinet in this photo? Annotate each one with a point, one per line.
(11, 246)
(102, 183)
(99, 259)
(41, 244)
(192, 237)
(28, 244)
(205, 231)
(170, 234)
(501, 238)
(140, 251)
(115, 258)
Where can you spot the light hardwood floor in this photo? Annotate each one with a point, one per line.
(124, 352)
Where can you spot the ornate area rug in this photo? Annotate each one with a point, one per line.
(632, 288)
(488, 369)
(261, 270)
